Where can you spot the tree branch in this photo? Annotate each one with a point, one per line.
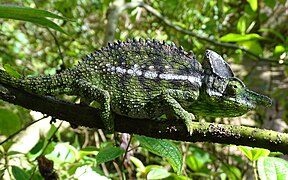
(112, 16)
(203, 38)
(83, 115)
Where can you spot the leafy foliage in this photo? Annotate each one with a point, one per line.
(272, 168)
(31, 15)
(254, 154)
(108, 154)
(256, 33)
(165, 149)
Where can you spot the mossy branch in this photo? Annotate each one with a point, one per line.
(83, 115)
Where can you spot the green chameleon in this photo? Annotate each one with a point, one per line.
(148, 79)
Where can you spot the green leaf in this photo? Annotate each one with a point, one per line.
(36, 16)
(198, 159)
(108, 154)
(274, 32)
(279, 49)
(88, 172)
(272, 168)
(252, 45)
(19, 173)
(163, 148)
(9, 121)
(253, 4)
(12, 153)
(25, 11)
(36, 150)
(87, 151)
(232, 172)
(10, 70)
(62, 153)
(195, 163)
(241, 25)
(282, 2)
(179, 177)
(254, 153)
(232, 37)
(140, 166)
(270, 3)
(65, 7)
(158, 173)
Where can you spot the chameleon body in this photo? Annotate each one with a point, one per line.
(147, 79)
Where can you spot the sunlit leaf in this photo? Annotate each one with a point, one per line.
(36, 150)
(10, 70)
(253, 46)
(254, 153)
(158, 173)
(232, 37)
(272, 168)
(140, 166)
(87, 151)
(88, 172)
(241, 25)
(279, 49)
(62, 153)
(253, 4)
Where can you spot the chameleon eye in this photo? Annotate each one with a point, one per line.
(230, 90)
(235, 86)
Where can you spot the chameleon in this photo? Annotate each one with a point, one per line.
(148, 79)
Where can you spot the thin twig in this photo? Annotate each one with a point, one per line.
(203, 38)
(44, 149)
(17, 132)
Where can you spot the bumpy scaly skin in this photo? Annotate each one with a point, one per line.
(145, 79)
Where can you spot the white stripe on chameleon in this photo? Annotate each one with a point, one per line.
(193, 79)
(151, 67)
(170, 76)
(120, 70)
(138, 73)
(150, 74)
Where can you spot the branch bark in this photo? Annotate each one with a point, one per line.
(83, 115)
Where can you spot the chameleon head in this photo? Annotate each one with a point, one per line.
(238, 99)
(222, 94)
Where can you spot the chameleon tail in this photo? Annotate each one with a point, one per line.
(44, 85)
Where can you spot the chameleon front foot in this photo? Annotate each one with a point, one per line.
(172, 106)
(91, 92)
(189, 123)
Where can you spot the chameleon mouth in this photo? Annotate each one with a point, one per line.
(257, 99)
(246, 101)
(250, 100)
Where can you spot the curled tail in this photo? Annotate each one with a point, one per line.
(44, 85)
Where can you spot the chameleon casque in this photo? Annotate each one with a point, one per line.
(147, 79)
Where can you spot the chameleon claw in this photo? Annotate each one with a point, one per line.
(189, 123)
(190, 129)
